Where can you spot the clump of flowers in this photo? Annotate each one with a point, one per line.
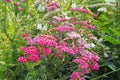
(82, 10)
(87, 25)
(7, 0)
(52, 6)
(77, 76)
(30, 54)
(67, 36)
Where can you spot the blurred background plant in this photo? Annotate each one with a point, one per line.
(28, 16)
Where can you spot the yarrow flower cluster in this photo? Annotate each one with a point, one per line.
(30, 54)
(8, 0)
(77, 76)
(66, 37)
(83, 11)
(89, 60)
(64, 48)
(60, 19)
(64, 28)
(85, 24)
(79, 10)
(44, 40)
(52, 6)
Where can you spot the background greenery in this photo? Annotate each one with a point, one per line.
(14, 22)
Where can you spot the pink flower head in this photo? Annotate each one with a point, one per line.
(60, 19)
(94, 15)
(73, 18)
(63, 47)
(95, 56)
(55, 23)
(86, 25)
(64, 28)
(31, 50)
(52, 6)
(77, 76)
(90, 36)
(87, 62)
(26, 35)
(75, 22)
(33, 58)
(20, 9)
(94, 66)
(82, 10)
(83, 43)
(22, 59)
(47, 40)
(7, 0)
(73, 9)
(73, 35)
(16, 3)
(47, 51)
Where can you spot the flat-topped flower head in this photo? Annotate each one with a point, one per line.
(33, 58)
(64, 28)
(76, 76)
(22, 59)
(52, 6)
(31, 50)
(7, 0)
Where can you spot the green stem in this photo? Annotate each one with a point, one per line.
(106, 74)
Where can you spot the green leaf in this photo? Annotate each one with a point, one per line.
(117, 42)
(68, 5)
(109, 39)
(116, 32)
(111, 66)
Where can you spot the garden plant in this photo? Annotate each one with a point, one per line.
(59, 40)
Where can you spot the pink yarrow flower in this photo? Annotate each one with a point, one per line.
(44, 40)
(77, 76)
(47, 40)
(64, 28)
(73, 35)
(83, 42)
(20, 8)
(7, 0)
(22, 59)
(60, 19)
(80, 10)
(63, 47)
(52, 6)
(16, 3)
(31, 50)
(90, 61)
(47, 51)
(86, 25)
(33, 58)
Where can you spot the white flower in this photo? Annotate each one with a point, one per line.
(73, 5)
(102, 9)
(65, 1)
(92, 45)
(39, 26)
(41, 8)
(44, 27)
